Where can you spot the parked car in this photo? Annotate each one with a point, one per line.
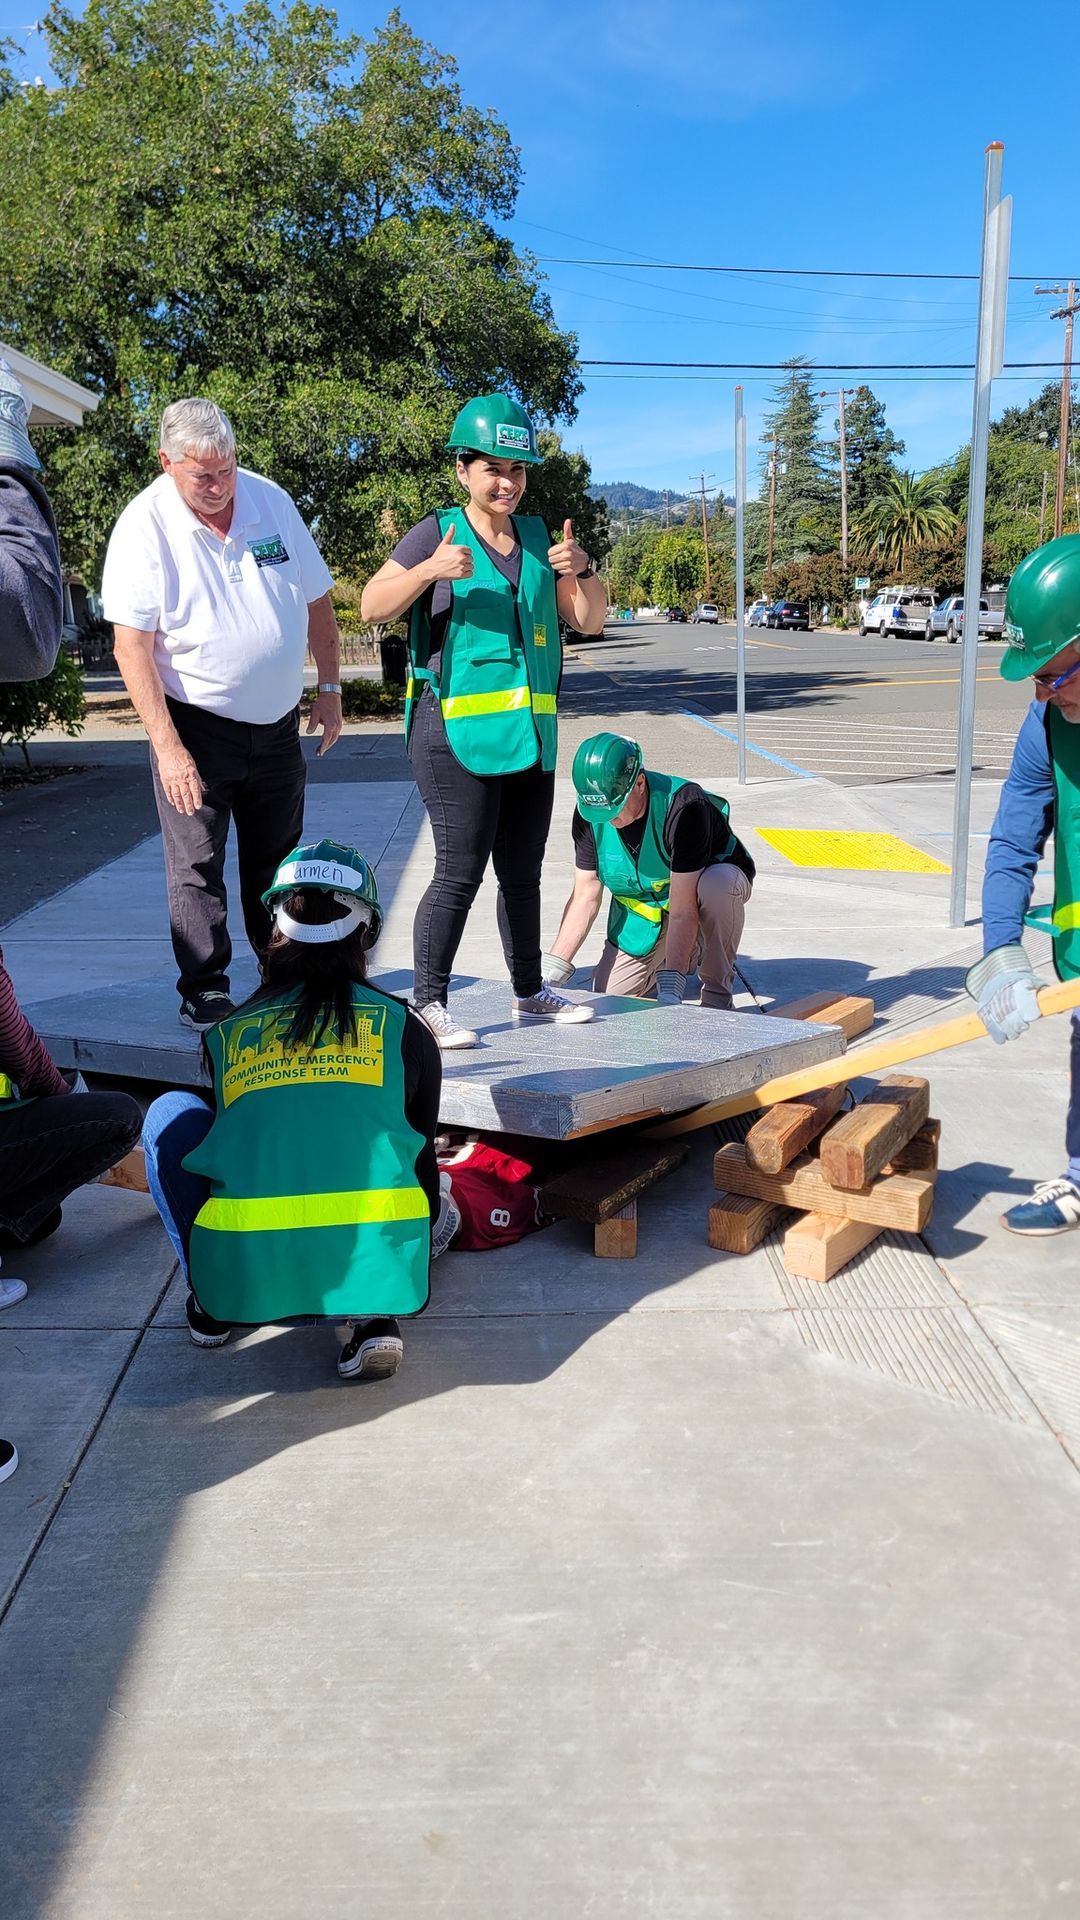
(884, 614)
(705, 615)
(789, 614)
(755, 615)
(676, 616)
(948, 618)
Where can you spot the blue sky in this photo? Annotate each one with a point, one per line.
(821, 135)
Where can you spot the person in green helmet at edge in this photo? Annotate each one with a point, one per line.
(485, 588)
(306, 1186)
(678, 877)
(1040, 797)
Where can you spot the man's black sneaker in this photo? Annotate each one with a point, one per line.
(374, 1351)
(204, 1331)
(201, 1011)
(9, 1458)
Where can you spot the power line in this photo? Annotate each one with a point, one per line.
(829, 366)
(806, 273)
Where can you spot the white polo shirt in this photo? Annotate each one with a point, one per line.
(230, 617)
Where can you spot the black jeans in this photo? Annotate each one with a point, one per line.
(474, 818)
(254, 776)
(51, 1146)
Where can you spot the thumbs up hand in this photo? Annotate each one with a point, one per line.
(566, 557)
(449, 561)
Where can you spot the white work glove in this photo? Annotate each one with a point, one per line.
(449, 1221)
(76, 1083)
(14, 414)
(1004, 988)
(555, 971)
(670, 987)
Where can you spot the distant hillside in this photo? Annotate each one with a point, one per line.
(627, 497)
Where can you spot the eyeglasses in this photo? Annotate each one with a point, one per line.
(1051, 686)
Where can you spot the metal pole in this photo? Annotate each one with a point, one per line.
(705, 541)
(772, 503)
(989, 355)
(843, 484)
(740, 583)
(1063, 418)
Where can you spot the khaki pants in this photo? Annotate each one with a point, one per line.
(723, 891)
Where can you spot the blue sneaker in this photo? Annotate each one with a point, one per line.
(1054, 1207)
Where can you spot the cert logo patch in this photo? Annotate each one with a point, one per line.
(539, 636)
(255, 1055)
(514, 439)
(268, 553)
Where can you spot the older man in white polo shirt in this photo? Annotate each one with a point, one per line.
(216, 589)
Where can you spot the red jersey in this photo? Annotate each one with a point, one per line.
(495, 1193)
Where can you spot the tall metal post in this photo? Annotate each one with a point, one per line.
(989, 357)
(740, 582)
(843, 483)
(772, 504)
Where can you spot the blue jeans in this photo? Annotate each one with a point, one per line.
(175, 1124)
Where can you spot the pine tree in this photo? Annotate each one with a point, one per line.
(807, 494)
(872, 447)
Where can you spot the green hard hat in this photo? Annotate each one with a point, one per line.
(328, 867)
(1042, 607)
(605, 768)
(497, 425)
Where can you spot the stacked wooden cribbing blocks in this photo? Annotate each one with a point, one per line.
(847, 1176)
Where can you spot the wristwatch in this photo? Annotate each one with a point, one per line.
(587, 573)
(329, 686)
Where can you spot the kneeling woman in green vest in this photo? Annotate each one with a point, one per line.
(308, 1186)
(486, 589)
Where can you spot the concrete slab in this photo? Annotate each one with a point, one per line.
(471, 1671)
(55, 1390)
(106, 1266)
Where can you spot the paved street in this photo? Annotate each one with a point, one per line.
(851, 709)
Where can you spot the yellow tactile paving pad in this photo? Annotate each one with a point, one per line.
(860, 852)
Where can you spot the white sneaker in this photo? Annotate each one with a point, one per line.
(549, 1005)
(445, 1028)
(11, 1292)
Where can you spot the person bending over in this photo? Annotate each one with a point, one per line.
(678, 877)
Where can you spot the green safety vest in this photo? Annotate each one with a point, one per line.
(640, 886)
(498, 683)
(1064, 917)
(315, 1207)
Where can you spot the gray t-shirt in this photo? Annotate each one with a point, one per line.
(419, 544)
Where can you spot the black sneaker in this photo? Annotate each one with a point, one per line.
(201, 1011)
(374, 1351)
(9, 1458)
(204, 1331)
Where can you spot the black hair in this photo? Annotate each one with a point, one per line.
(322, 976)
(468, 454)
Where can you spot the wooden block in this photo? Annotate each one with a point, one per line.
(818, 1244)
(779, 1137)
(921, 1153)
(903, 1200)
(597, 1189)
(852, 1012)
(863, 1141)
(130, 1172)
(616, 1237)
(738, 1224)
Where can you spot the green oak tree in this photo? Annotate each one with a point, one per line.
(246, 203)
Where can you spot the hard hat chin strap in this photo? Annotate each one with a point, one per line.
(310, 935)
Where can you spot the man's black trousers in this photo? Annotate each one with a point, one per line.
(253, 776)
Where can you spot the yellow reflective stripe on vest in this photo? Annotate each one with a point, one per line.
(543, 703)
(7, 1087)
(280, 1212)
(1067, 918)
(469, 706)
(640, 906)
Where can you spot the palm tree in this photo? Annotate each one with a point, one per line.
(911, 509)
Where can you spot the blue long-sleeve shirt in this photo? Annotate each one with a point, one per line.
(1022, 825)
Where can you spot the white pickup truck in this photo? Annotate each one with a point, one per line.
(948, 619)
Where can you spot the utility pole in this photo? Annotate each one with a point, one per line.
(842, 424)
(667, 507)
(1042, 510)
(705, 534)
(1066, 313)
(772, 503)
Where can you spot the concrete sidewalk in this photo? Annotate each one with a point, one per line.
(671, 1587)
